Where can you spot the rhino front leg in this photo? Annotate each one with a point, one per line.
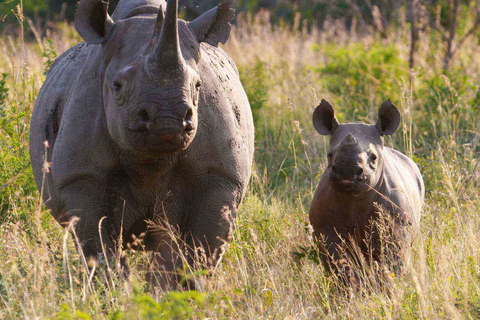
(176, 252)
(337, 257)
(166, 262)
(85, 203)
(214, 215)
(392, 244)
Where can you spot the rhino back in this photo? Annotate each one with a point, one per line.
(403, 184)
(127, 8)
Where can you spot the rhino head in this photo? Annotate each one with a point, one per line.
(355, 158)
(151, 83)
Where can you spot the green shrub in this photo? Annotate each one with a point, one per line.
(255, 81)
(361, 77)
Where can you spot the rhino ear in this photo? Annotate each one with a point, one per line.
(214, 25)
(92, 20)
(324, 119)
(388, 118)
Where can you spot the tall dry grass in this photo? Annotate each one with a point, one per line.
(270, 269)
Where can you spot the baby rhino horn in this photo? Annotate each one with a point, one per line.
(349, 140)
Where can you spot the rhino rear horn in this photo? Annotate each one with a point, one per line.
(324, 119)
(388, 118)
(167, 53)
(157, 31)
(92, 21)
(159, 22)
(214, 26)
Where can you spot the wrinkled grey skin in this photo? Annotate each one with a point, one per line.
(363, 176)
(144, 124)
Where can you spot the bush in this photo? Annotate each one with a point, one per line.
(361, 77)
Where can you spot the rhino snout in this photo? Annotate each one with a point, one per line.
(347, 173)
(166, 126)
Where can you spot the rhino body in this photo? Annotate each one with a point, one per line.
(363, 180)
(172, 144)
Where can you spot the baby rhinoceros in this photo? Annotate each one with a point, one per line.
(367, 191)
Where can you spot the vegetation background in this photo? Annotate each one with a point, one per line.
(424, 55)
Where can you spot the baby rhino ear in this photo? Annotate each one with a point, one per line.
(324, 119)
(214, 26)
(388, 118)
(92, 20)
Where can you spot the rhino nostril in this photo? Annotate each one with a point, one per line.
(187, 122)
(143, 118)
(188, 115)
(359, 172)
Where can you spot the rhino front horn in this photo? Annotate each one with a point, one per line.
(349, 140)
(167, 54)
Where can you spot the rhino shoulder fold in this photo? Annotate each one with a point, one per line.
(66, 57)
(129, 8)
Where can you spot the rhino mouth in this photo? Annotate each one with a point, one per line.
(347, 185)
(170, 136)
(167, 141)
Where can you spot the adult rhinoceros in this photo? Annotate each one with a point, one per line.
(145, 121)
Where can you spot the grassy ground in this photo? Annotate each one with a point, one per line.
(270, 270)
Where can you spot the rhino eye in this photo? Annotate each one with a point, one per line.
(120, 95)
(196, 93)
(373, 158)
(329, 157)
(117, 85)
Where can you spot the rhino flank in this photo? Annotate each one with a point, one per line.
(145, 121)
(364, 184)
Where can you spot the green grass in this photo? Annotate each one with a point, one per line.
(270, 270)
